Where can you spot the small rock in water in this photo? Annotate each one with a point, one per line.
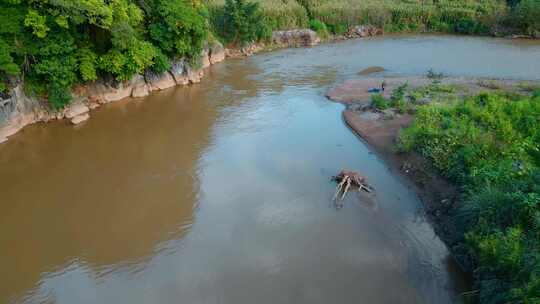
(80, 118)
(76, 110)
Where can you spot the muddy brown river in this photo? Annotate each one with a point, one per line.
(220, 192)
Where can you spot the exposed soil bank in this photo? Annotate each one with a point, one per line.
(380, 129)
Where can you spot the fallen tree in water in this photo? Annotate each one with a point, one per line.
(347, 179)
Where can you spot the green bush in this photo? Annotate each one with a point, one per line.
(177, 27)
(379, 102)
(318, 26)
(276, 15)
(398, 99)
(61, 43)
(490, 146)
(536, 93)
(526, 16)
(243, 22)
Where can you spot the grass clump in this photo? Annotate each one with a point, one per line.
(379, 102)
(319, 27)
(489, 144)
(399, 100)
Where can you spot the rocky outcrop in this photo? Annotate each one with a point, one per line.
(76, 109)
(194, 75)
(247, 50)
(178, 72)
(105, 91)
(184, 73)
(80, 118)
(217, 53)
(361, 31)
(77, 112)
(158, 82)
(205, 58)
(295, 38)
(140, 87)
(18, 111)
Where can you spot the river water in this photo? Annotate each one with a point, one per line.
(220, 192)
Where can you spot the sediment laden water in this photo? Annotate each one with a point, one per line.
(220, 192)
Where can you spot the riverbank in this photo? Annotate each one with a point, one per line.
(381, 126)
(20, 110)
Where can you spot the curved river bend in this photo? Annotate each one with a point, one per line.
(220, 192)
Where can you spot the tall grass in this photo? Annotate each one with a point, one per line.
(449, 16)
(277, 14)
(393, 15)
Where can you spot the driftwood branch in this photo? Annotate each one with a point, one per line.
(347, 179)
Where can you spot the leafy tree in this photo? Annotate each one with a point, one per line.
(243, 22)
(177, 27)
(130, 53)
(56, 66)
(526, 15)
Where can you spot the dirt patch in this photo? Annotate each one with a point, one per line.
(371, 70)
(357, 91)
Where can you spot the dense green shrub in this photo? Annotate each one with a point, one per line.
(275, 14)
(177, 27)
(319, 27)
(490, 145)
(243, 22)
(379, 102)
(56, 44)
(398, 99)
(526, 16)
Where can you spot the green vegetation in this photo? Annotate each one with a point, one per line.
(379, 102)
(453, 16)
(525, 17)
(490, 145)
(275, 14)
(53, 45)
(243, 23)
(56, 44)
(400, 100)
(393, 15)
(319, 27)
